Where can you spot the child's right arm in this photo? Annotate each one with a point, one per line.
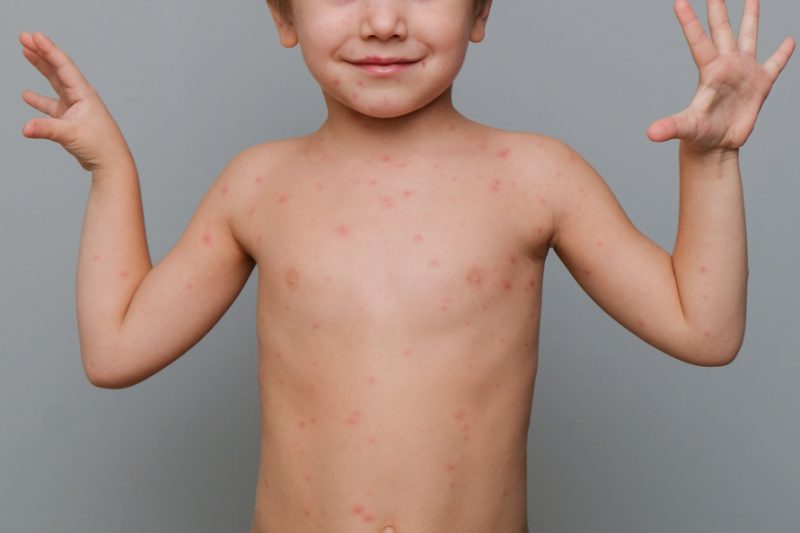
(133, 319)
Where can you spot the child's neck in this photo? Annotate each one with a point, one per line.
(350, 133)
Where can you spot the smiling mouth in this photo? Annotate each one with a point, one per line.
(384, 65)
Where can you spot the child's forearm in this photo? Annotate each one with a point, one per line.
(710, 255)
(112, 262)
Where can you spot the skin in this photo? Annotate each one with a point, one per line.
(400, 251)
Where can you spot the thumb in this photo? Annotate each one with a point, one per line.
(44, 128)
(672, 127)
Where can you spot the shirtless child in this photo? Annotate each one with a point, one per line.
(400, 251)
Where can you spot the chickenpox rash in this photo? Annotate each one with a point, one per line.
(225, 189)
(292, 278)
(703, 269)
(282, 198)
(434, 262)
(354, 419)
(475, 278)
(503, 154)
(408, 194)
(386, 159)
(418, 237)
(507, 285)
(371, 380)
(407, 352)
(450, 467)
(387, 202)
(496, 184)
(343, 231)
(360, 511)
(459, 414)
(124, 274)
(207, 239)
(96, 258)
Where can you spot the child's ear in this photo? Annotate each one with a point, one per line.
(286, 31)
(479, 25)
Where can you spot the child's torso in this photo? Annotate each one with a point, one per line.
(398, 315)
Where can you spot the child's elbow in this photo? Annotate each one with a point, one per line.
(715, 351)
(102, 373)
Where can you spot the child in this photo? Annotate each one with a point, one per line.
(400, 251)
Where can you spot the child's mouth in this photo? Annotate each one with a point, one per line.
(383, 66)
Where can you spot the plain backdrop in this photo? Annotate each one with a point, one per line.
(623, 438)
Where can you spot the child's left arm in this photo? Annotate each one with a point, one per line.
(691, 304)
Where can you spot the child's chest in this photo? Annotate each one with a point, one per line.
(386, 245)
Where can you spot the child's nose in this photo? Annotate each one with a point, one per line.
(384, 20)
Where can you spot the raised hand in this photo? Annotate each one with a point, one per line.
(78, 119)
(733, 85)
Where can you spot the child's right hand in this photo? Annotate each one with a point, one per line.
(79, 120)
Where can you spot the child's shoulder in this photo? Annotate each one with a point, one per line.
(527, 147)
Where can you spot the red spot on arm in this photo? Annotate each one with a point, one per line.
(207, 238)
(343, 231)
(224, 189)
(504, 153)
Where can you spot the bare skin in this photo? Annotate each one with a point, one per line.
(400, 266)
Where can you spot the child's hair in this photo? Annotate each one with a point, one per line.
(284, 7)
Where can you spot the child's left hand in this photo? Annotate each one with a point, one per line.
(733, 85)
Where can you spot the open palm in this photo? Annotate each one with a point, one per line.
(733, 85)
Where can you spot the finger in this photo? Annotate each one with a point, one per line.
(776, 63)
(45, 128)
(46, 105)
(75, 85)
(748, 29)
(720, 26)
(43, 67)
(703, 50)
(676, 126)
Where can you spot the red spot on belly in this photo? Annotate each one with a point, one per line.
(371, 380)
(450, 467)
(373, 182)
(188, 286)
(358, 509)
(408, 194)
(282, 198)
(386, 158)
(434, 263)
(475, 277)
(445, 305)
(368, 517)
(503, 154)
(387, 201)
(407, 352)
(307, 477)
(301, 424)
(496, 184)
(704, 269)
(459, 414)
(512, 259)
(372, 440)
(354, 419)
(259, 179)
(343, 231)
(418, 237)
(315, 325)
(507, 285)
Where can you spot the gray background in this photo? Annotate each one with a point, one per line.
(622, 439)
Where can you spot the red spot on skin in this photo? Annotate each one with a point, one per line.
(459, 414)
(641, 323)
(507, 285)
(251, 211)
(451, 127)
(704, 269)
(358, 509)
(512, 259)
(124, 274)
(475, 278)
(96, 258)
(407, 352)
(259, 179)
(418, 237)
(387, 202)
(386, 158)
(373, 182)
(301, 424)
(530, 284)
(343, 231)
(313, 420)
(318, 186)
(496, 183)
(368, 517)
(600, 243)
(451, 467)
(408, 194)
(503, 154)
(354, 419)
(372, 440)
(305, 511)
(454, 178)
(224, 189)
(291, 278)
(587, 272)
(282, 198)
(354, 96)
(360, 83)
(434, 263)
(207, 239)
(188, 286)
(336, 82)
(328, 279)
(542, 200)
(445, 304)
(371, 380)
(315, 325)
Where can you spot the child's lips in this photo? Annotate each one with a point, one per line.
(384, 66)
